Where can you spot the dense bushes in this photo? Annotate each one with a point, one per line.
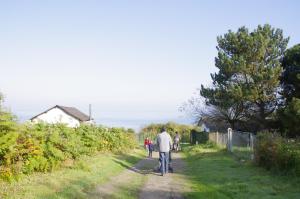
(153, 129)
(198, 137)
(277, 153)
(289, 118)
(43, 147)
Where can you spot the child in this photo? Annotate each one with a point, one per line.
(151, 148)
(176, 144)
(146, 144)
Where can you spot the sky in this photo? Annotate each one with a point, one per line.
(134, 61)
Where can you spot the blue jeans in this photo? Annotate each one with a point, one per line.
(164, 162)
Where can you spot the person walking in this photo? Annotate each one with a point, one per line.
(176, 142)
(151, 148)
(164, 144)
(146, 144)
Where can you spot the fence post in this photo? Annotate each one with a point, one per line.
(229, 139)
(217, 138)
(252, 145)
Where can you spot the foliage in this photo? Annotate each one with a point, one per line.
(7, 120)
(289, 113)
(25, 148)
(214, 173)
(198, 137)
(44, 147)
(249, 64)
(291, 76)
(289, 118)
(277, 153)
(152, 130)
(77, 181)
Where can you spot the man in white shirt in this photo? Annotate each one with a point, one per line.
(164, 144)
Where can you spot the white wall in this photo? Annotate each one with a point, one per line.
(89, 122)
(56, 115)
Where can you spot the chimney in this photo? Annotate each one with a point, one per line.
(90, 111)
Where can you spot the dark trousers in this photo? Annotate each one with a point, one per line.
(150, 153)
(164, 162)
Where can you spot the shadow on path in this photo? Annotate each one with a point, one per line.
(170, 186)
(144, 167)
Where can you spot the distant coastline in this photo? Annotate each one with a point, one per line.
(137, 124)
(134, 123)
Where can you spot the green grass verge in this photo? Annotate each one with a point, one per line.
(73, 182)
(131, 189)
(242, 153)
(213, 173)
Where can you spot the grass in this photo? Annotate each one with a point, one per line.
(242, 153)
(131, 189)
(214, 173)
(73, 182)
(211, 173)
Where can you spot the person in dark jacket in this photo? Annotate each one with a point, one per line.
(151, 148)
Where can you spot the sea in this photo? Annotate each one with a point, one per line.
(134, 123)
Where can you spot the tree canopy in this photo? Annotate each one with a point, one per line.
(291, 75)
(289, 113)
(247, 82)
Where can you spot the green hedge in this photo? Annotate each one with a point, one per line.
(152, 130)
(44, 147)
(199, 137)
(277, 153)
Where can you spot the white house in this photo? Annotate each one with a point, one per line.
(70, 116)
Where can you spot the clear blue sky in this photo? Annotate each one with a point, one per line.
(130, 59)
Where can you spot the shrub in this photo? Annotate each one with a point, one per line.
(289, 118)
(198, 137)
(44, 147)
(152, 130)
(277, 153)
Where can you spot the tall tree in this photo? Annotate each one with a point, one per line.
(249, 66)
(291, 74)
(289, 113)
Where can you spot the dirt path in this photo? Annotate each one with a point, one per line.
(170, 186)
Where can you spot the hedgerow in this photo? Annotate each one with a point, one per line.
(45, 147)
(278, 153)
(152, 130)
